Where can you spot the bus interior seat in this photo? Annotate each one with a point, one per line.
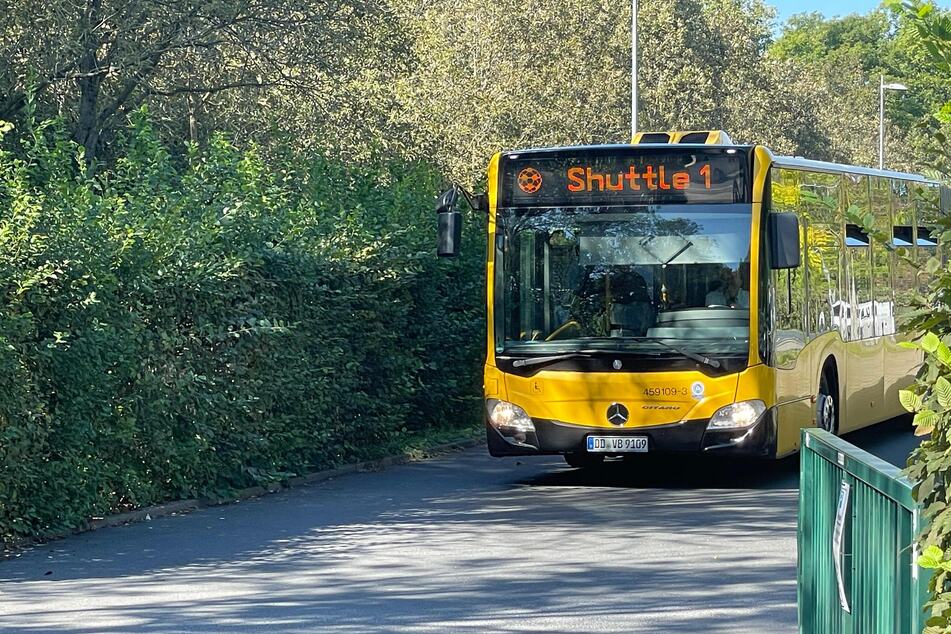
(632, 310)
(729, 323)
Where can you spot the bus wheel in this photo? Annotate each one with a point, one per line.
(583, 460)
(827, 411)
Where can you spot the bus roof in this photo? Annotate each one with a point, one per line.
(567, 149)
(779, 161)
(839, 168)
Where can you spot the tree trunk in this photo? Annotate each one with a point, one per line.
(87, 123)
(86, 132)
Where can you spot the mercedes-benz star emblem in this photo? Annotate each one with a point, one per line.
(617, 414)
(617, 364)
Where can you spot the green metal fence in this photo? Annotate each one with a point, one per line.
(857, 527)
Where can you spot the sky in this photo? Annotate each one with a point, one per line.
(830, 8)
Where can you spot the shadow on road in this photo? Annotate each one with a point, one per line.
(679, 472)
(892, 441)
(456, 544)
(464, 543)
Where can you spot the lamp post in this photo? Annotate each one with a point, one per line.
(881, 116)
(633, 68)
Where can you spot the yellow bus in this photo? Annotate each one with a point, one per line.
(686, 294)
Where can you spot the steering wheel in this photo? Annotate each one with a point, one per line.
(562, 328)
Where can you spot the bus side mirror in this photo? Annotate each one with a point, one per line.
(450, 224)
(783, 231)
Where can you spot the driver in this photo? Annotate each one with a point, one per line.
(728, 293)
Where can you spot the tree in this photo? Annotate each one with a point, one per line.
(505, 75)
(850, 54)
(932, 28)
(452, 80)
(98, 60)
(811, 36)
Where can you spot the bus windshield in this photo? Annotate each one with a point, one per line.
(624, 279)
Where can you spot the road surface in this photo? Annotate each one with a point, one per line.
(461, 543)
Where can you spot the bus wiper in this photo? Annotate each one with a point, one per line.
(699, 358)
(678, 254)
(524, 363)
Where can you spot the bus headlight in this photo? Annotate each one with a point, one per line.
(508, 417)
(737, 415)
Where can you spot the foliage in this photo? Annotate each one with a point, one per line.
(852, 52)
(175, 328)
(930, 397)
(452, 81)
(95, 61)
(509, 75)
(930, 463)
(933, 30)
(810, 35)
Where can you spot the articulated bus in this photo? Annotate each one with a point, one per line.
(686, 294)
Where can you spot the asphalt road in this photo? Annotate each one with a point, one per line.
(462, 543)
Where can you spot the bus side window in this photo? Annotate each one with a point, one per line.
(882, 285)
(927, 212)
(903, 241)
(858, 291)
(788, 285)
(821, 208)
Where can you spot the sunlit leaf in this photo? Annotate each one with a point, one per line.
(930, 342)
(942, 390)
(909, 400)
(924, 422)
(931, 557)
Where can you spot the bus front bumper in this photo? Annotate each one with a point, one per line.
(553, 437)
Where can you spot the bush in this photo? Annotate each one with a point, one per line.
(181, 327)
(930, 398)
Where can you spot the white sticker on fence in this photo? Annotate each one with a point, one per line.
(838, 532)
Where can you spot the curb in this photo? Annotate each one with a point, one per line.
(185, 506)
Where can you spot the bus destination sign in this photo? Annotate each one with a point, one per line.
(631, 178)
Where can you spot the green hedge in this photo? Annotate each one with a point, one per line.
(182, 326)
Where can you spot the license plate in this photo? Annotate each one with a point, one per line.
(617, 444)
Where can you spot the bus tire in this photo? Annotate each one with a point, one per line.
(580, 460)
(827, 402)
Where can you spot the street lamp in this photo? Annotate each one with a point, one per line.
(881, 116)
(633, 68)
